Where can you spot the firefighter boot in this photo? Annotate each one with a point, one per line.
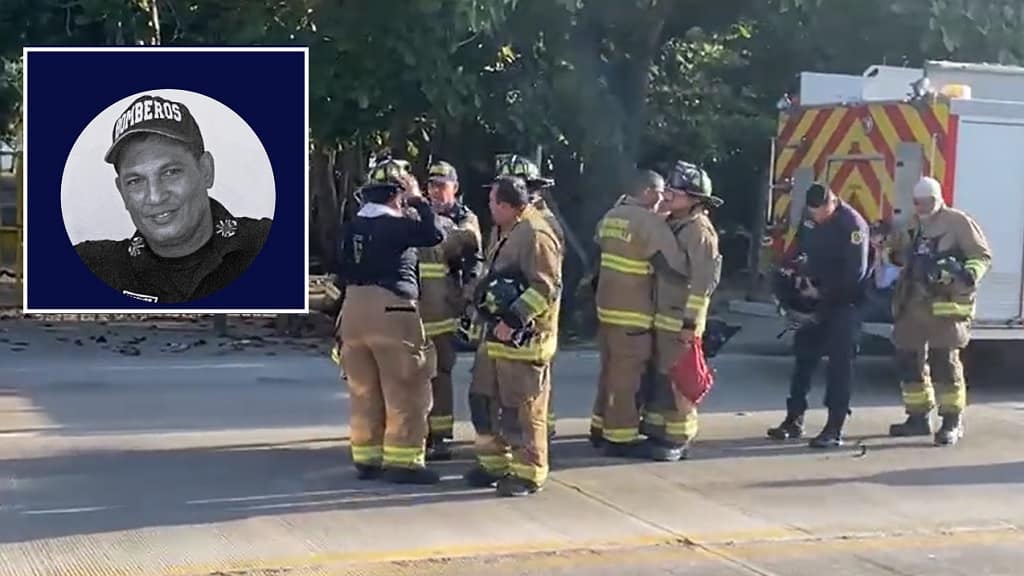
(596, 438)
(477, 477)
(636, 450)
(915, 425)
(951, 431)
(512, 486)
(438, 450)
(664, 451)
(792, 427)
(367, 472)
(831, 436)
(411, 476)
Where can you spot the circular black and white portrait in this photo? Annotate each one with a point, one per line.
(168, 196)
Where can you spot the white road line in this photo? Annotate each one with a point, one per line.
(147, 367)
(67, 510)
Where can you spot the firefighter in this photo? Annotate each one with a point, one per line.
(444, 271)
(635, 241)
(834, 277)
(384, 351)
(536, 184)
(682, 307)
(945, 255)
(509, 395)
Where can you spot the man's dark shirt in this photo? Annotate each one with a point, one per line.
(837, 257)
(381, 250)
(131, 267)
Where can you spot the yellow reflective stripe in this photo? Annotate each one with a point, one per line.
(952, 309)
(976, 267)
(697, 304)
(533, 353)
(956, 399)
(686, 428)
(654, 418)
(404, 457)
(626, 265)
(534, 302)
(494, 463)
(624, 318)
(440, 327)
(336, 354)
(917, 398)
(535, 474)
(621, 435)
(367, 454)
(551, 418)
(442, 422)
(667, 323)
(596, 422)
(433, 270)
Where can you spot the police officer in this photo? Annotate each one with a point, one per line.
(682, 305)
(509, 395)
(835, 276)
(445, 270)
(186, 245)
(536, 184)
(635, 242)
(945, 255)
(384, 351)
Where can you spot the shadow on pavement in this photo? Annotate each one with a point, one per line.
(1000, 473)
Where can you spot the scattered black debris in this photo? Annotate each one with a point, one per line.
(199, 342)
(136, 340)
(176, 347)
(63, 339)
(101, 339)
(863, 450)
(78, 343)
(19, 343)
(17, 349)
(129, 351)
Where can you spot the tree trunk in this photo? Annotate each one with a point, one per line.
(324, 197)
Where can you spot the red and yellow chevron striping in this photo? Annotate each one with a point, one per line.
(854, 149)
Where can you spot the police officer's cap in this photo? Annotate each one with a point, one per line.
(817, 195)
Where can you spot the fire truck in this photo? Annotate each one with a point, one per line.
(871, 137)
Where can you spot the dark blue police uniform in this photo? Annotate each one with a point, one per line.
(837, 264)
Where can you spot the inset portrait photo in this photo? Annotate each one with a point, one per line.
(170, 199)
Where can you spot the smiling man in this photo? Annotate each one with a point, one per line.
(186, 245)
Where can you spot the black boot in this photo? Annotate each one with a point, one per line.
(915, 425)
(477, 477)
(831, 436)
(511, 486)
(665, 451)
(411, 476)
(438, 450)
(596, 438)
(367, 472)
(636, 450)
(951, 431)
(793, 426)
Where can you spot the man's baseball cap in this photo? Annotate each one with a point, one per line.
(442, 172)
(154, 115)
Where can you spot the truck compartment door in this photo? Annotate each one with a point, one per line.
(909, 167)
(989, 186)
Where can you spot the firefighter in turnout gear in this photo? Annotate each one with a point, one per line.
(635, 242)
(385, 355)
(834, 276)
(444, 271)
(536, 184)
(681, 308)
(509, 395)
(945, 255)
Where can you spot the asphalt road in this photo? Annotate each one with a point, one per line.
(211, 461)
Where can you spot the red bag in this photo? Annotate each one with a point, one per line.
(691, 375)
